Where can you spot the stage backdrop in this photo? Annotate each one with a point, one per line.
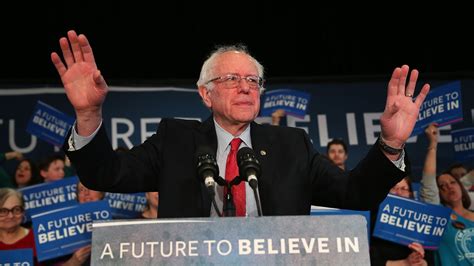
(348, 110)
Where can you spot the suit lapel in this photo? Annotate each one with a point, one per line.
(263, 143)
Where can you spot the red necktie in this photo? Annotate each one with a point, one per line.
(231, 171)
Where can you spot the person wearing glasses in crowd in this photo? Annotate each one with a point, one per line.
(383, 252)
(294, 176)
(12, 234)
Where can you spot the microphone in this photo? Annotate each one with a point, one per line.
(249, 170)
(207, 170)
(249, 166)
(207, 167)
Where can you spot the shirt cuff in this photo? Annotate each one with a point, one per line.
(76, 141)
(400, 163)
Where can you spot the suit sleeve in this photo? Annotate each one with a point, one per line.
(363, 188)
(100, 168)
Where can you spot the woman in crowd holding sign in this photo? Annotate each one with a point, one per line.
(455, 247)
(12, 234)
(383, 252)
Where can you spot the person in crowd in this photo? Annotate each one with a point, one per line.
(26, 174)
(337, 152)
(383, 252)
(52, 168)
(429, 189)
(12, 234)
(88, 195)
(82, 255)
(455, 247)
(294, 176)
(5, 179)
(448, 190)
(457, 170)
(151, 208)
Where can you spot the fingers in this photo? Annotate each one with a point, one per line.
(66, 50)
(421, 97)
(86, 49)
(403, 80)
(393, 83)
(410, 90)
(76, 48)
(58, 64)
(417, 249)
(99, 80)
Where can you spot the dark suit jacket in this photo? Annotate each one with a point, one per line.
(293, 177)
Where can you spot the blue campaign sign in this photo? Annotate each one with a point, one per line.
(404, 221)
(49, 124)
(443, 106)
(61, 232)
(125, 205)
(318, 210)
(12, 257)
(48, 196)
(463, 140)
(294, 102)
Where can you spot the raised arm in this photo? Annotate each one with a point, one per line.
(85, 87)
(429, 189)
(401, 111)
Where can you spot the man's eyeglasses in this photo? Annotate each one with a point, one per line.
(233, 81)
(17, 210)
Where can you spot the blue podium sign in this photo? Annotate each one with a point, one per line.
(284, 240)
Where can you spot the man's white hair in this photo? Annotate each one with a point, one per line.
(208, 65)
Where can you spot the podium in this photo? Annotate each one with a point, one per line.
(315, 240)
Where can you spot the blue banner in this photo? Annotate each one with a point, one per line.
(463, 140)
(61, 232)
(442, 106)
(20, 257)
(125, 205)
(405, 221)
(49, 196)
(348, 110)
(49, 124)
(292, 101)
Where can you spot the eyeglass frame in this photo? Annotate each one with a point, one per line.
(402, 189)
(12, 210)
(223, 79)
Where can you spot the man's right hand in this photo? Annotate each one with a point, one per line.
(85, 87)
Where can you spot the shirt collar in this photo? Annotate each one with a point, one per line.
(224, 138)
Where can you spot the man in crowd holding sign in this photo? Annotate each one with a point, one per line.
(293, 177)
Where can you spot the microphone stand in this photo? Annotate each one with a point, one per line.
(229, 205)
(257, 200)
(212, 193)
